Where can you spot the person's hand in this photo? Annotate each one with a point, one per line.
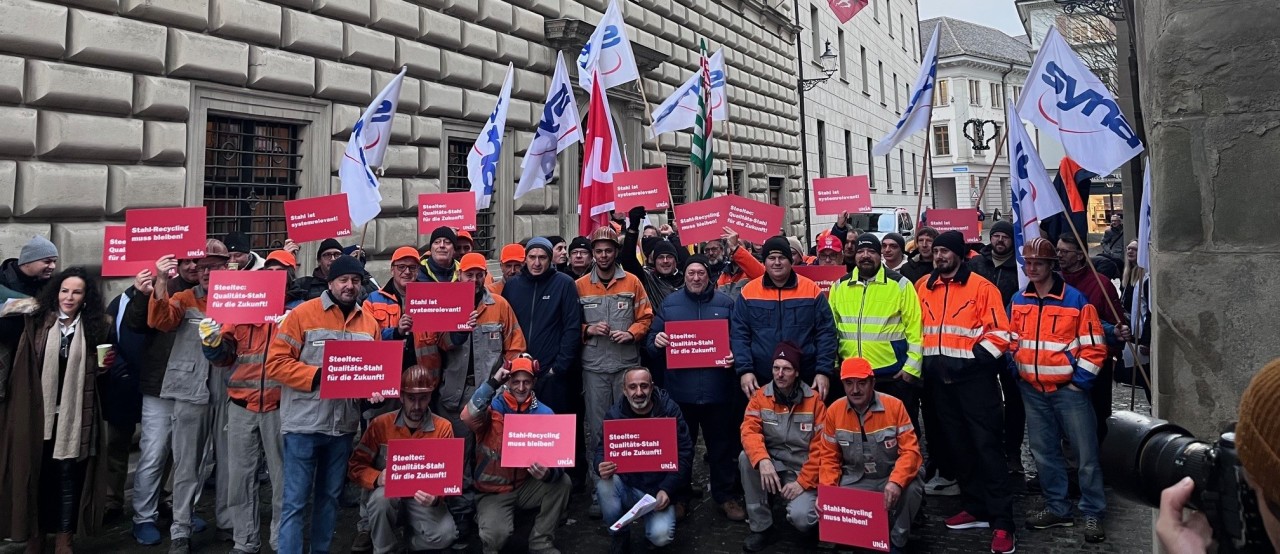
(606, 469)
(728, 360)
(820, 385)
(621, 337)
(906, 378)
(792, 491)
(730, 237)
(110, 359)
(291, 247)
(210, 332)
(425, 499)
(598, 329)
(660, 340)
(1073, 387)
(666, 230)
(377, 398)
(769, 477)
(167, 265)
(405, 325)
(635, 214)
(381, 481)
(748, 383)
(663, 501)
(1180, 532)
(892, 492)
(471, 321)
(1124, 333)
(538, 471)
(502, 374)
(144, 282)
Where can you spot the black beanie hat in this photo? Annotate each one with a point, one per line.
(696, 259)
(580, 243)
(328, 244)
(787, 350)
(664, 247)
(776, 244)
(953, 241)
(1002, 227)
(895, 237)
(344, 265)
(237, 242)
(443, 232)
(866, 240)
(555, 239)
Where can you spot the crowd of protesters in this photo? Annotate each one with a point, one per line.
(920, 372)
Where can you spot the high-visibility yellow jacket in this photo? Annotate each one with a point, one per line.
(878, 320)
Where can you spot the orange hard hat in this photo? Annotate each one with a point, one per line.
(1039, 249)
(418, 379)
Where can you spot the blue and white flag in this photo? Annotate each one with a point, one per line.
(557, 130)
(1034, 197)
(916, 117)
(1068, 102)
(1141, 306)
(365, 149)
(680, 110)
(608, 53)
(482, 160)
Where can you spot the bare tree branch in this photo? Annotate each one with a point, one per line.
(1093, 38)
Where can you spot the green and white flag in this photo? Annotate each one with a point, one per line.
(701, 155)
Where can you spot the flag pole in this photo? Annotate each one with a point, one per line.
(924, 174)
(1084, 247)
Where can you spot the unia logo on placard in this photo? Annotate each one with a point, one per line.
(453, 490)
(668, 466)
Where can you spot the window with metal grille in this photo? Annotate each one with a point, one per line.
(677, 181)
(456, 181)
(737, 183)
(251, 168)
(776, 191)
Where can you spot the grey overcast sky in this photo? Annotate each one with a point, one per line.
(998, 14)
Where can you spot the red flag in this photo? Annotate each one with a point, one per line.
(846, 9)
(601, 158)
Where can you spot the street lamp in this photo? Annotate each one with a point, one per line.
(828, 59)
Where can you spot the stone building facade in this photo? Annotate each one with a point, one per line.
(239, 105)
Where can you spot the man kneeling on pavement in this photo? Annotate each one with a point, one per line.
(782, 424)
(617, 493)
(868, 443)
(502, 490)
(427, 521)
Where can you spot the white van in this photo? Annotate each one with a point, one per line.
(882, 221)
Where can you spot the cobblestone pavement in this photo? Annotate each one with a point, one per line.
(705, 530)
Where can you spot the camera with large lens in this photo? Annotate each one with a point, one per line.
(1142, 456)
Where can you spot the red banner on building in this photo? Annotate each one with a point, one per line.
(115, 262)
(641, 445)
(824, 275)
(251, 297)
(318, 218)
(440, 307)
(456, 210)
(853, 517)
(544, 439)
(832, 195)
(964, 220)
(697, 344)
(433, 466)
(645, 187)
(154, 233)
(361, 368)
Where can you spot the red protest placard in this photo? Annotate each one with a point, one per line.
(114, 262)
(645, 187)
(447, 209)
(964, 220)
(697, 344)
(641, 445)
(832, 195)
(440, 307)
(360, 368)
(824, 275)
(544, 439)
(433, 466)
(158, 232)
(703, 220)
(754, 221)
(318, 218)
(853, 517)
(245, 296)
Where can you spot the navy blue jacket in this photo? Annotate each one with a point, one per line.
(549, 314)
(694, 386)
(121, 387)
(654, 481)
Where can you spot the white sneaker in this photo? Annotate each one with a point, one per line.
(939, 486)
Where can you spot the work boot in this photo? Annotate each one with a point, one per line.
(733, 510)
(180, 546)
(1044, 519)
(62, 544)
(1093, 532)
(35, 543)
(756, 542)
(362, 544)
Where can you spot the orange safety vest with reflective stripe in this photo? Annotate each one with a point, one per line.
(960, 318)
(249, 386)
(1060, 337)
(369, 458)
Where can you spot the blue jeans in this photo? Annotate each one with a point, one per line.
(616, 498)
(1064, 414)
(312, 463)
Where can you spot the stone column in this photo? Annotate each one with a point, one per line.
(1213, 124)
